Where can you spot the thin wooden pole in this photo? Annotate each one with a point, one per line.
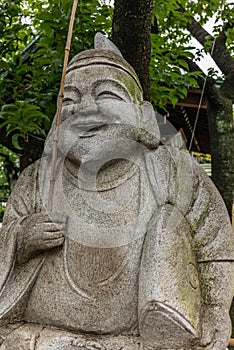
(59, 107)
(231, 342)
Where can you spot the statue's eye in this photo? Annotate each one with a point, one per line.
(68, 101)
(109, 95)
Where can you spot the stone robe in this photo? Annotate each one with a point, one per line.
(174, 220)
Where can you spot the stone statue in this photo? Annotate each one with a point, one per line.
(138, 250)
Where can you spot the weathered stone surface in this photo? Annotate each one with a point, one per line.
(34, 337)
(138, 251)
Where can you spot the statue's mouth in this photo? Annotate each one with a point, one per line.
(92, 130)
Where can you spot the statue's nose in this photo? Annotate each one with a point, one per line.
(87, 106)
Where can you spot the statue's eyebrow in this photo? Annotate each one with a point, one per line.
(72, 88)
(114, 83)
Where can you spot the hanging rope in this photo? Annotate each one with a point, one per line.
(202, 93)
(59, 107)
(200, 102)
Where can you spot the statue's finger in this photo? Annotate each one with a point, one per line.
(52, 227)
(49, 243)
(48, 235)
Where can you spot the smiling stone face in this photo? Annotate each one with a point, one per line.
(100, 102)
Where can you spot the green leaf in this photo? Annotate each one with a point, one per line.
(183, 64)
(15, 141)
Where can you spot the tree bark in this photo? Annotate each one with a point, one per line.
(221, 126)
(220, 113)
(222, 145)
(131, 34)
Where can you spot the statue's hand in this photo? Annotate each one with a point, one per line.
(216, 329)
(39, 233)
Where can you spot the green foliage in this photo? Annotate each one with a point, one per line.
(170, 76)
(33, 37)
(2, 210)
(22, 118)
(169, 72)
(9, 167)
(32, 41)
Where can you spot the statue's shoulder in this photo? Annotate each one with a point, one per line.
(28, 179)
(33, 169)
(167, 155)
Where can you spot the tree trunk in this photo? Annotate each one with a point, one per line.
(131, 34)
(220, 116)
(221, 127)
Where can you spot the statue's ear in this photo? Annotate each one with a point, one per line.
(148, 132)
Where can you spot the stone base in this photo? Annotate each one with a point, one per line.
(37, 337)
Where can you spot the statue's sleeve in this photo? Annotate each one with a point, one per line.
(213, 237)
(22, 200)
(177, 179)
(14, 280)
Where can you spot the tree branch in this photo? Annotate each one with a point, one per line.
(195, 28)
(227, 88)
(220, 55)
(210, 88)
(198, 32)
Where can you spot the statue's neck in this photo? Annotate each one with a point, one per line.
(111, 175)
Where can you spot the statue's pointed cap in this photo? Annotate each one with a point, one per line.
(101, 42)
(105, 53)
